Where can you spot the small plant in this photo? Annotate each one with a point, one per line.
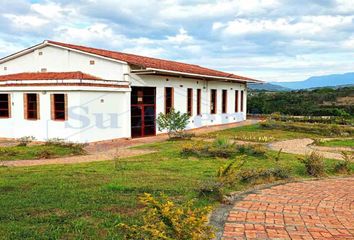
(174, 122)
(221, 148)
(24, 141)
(277, 157)
(319, 141)
(270, 174)
(254, 138)
(163, 219)
(225, 176)
(45, 154)
(76, 148)
(343, 167)
(314, 164)
(253, 150)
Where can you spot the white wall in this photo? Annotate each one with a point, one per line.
(56, 59)
(86, 109)
(181, 85)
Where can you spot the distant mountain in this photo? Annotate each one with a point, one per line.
(267, 87)
(320, 81)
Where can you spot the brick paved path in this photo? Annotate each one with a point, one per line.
(322, 209)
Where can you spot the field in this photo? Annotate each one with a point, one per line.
(87, 201)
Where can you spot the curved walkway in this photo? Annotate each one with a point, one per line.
(322, 209)
(303, 147)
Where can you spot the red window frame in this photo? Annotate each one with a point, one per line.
(242, 100)
(213, 101)
(199, 101)
(5, 105)
(224, 101)
(190, 101)
(236, 101)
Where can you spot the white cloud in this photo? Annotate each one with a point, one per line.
(181, 37)
(304, 26)
(26, 21)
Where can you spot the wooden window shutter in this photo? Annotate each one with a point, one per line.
(25, 106)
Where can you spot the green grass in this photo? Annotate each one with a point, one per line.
(257, 131)
(87, 201)
(35, 152)
(338, 143)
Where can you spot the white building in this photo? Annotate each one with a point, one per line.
(82, 94)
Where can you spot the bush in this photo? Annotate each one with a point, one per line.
(163, 219)
(253, 150)
(314, 164)
(174, 122)
(343, 167)
(253, 175)
(76, 148)
(225, 176)
(24, 141)
(6, 152)
(45, 154)
(221, 147)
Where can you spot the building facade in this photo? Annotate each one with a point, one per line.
(81, 94)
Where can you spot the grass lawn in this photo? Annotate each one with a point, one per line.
(37, 152)
(87, 201)
(252, 132)
(338, 143)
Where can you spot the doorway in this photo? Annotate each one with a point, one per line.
(143, 111)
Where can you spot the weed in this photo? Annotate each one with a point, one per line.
(252, 150)
(24, 141)
(343, 167)
(314, 164)
(269, 174)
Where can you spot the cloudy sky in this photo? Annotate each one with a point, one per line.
(272, 40)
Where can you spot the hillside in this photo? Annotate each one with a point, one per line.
(318, 102)
(320, 81)
(266, 87)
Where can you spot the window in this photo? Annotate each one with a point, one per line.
(213, 101)
(168, 99)
(236, 101)
(224, 101)
(59, 107)
(5, 106)
(241, 101)
(31, 102)
(190, 101)
(199, 101)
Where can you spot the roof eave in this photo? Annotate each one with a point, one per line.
(177, 73)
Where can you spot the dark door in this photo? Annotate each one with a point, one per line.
(143, 111)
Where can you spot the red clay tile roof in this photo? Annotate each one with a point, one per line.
(147, 62)
(48, 76)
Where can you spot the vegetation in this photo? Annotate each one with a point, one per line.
(314, 128)
(163, 219)
(174, 122)
(51, 149)
(314, 164)
(318, 102)
(349, 142)
(343, 167)
(89, 200)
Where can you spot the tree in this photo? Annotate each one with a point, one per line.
(174, 122)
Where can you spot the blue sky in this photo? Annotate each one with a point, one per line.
(272, 40)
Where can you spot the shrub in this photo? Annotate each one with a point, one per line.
(163, 219)
(343, 167)
(76, 148)
(6, 152)
(253, 150)
(222, 148)
(314, 164)
(174, 122)
(24, 141)
(46, 154)
(253, 175)
(254, 138)
(225, 176)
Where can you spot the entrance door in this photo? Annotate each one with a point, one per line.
(143, 114)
